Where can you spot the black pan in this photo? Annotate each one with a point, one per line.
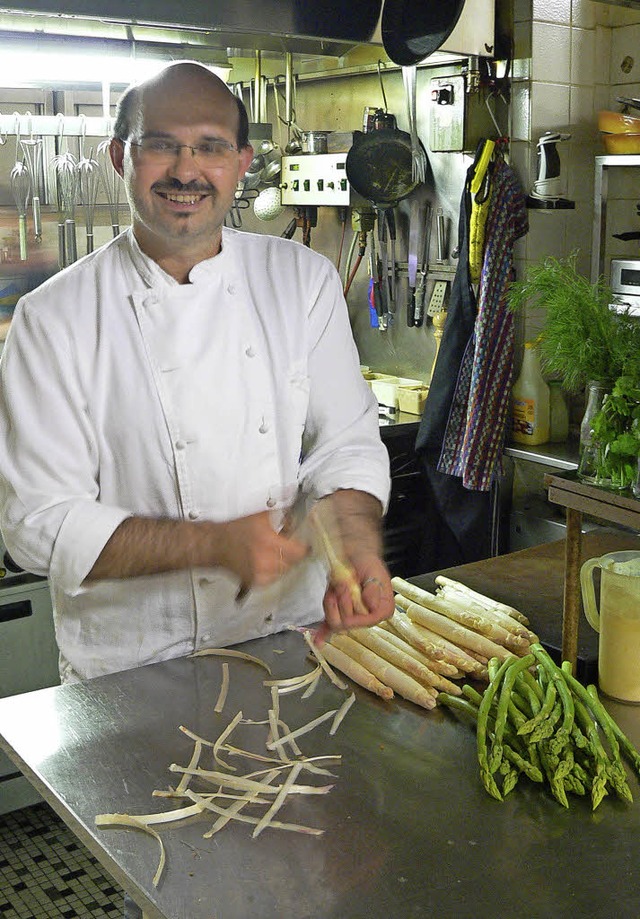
(412, 31)
(379, 166)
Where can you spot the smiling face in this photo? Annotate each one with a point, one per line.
(178, 203)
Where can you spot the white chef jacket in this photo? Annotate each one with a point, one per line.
(124, 392)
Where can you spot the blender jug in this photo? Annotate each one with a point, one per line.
(617, 621)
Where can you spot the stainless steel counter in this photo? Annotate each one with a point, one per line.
(409, 830)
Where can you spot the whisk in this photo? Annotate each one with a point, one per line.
(32, 149)
(21, 188)
(65, 167)
(88, 182)
(111, 182)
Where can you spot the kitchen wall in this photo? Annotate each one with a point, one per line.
(572, 58)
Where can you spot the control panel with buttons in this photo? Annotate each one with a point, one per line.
(314, 179)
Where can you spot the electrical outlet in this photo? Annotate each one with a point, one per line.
(438, 294)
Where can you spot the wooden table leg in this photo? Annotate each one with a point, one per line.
(572, 600)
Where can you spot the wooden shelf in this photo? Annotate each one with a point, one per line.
(579, 498)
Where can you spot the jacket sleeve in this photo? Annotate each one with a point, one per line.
(49, 481)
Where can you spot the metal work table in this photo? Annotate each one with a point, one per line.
(409, 830)
(580, 498)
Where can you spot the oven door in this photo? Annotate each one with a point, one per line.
(28, 661)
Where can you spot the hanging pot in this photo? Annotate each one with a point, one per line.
(379, 166)
(412, 31)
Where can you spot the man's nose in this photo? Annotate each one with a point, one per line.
(184, 163)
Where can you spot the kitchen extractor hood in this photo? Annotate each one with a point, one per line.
(329, 27)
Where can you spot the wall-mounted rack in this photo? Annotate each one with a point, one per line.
(27, 125)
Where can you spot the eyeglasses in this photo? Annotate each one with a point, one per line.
(208, 153)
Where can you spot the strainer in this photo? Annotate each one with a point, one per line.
(268, 205)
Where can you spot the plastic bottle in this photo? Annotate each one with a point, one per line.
(531, 399)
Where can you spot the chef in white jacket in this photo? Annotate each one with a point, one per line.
(168, 398)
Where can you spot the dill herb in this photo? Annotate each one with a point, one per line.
(583, 338)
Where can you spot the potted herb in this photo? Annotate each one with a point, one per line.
(583, 339)
(616, 432)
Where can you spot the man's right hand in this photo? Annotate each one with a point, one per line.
(255, 552)
(248, 547)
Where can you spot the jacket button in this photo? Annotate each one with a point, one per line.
(193, 515)
(250, 352)
(180, 445)
(271, 502)
(231, 288)
(263, 428)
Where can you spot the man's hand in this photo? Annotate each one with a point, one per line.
(353, 520)
(255, 552)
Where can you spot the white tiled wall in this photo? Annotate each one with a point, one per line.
(572, 58)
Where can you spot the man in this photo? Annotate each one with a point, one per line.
(169, 400)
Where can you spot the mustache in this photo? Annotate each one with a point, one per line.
(190, 188)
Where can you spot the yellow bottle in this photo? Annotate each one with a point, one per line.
(530, 401)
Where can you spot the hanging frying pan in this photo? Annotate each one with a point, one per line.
(412, 31)
(379, 166)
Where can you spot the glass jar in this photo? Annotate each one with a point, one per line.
(595, 394)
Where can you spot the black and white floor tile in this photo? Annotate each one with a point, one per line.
(46, 873)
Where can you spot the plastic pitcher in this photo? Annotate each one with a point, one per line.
(618, 621)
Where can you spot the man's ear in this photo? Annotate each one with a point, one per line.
(246, 156)
(116, 152)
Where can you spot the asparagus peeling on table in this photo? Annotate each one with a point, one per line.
(535, 718)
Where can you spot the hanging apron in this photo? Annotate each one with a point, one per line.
(461, 526)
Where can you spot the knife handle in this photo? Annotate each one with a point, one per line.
(411, 307)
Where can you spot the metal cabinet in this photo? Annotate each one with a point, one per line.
(601, 192)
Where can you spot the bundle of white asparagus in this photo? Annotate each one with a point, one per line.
(430, 641)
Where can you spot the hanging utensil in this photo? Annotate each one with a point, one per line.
(88, 184)
(21, 188)
(111, 182)
(87, 181)
(418, 155)
(65, 165)
(413, 31)
(379, 166)
(32, 150)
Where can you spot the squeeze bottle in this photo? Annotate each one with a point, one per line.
(531, 399)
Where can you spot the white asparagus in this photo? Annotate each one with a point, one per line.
(458, 634)
(403, 627)
(431, 601)
(496, 615)
(386, 672)
(379, 644)
(340, 571)
(356, 672)
(441, 667)
(452, 609)
(482, 599)
(460, 657)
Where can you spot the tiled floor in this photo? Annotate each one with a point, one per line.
(46, 873)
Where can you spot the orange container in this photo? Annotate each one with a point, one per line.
(621, 143)
(617, 123)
